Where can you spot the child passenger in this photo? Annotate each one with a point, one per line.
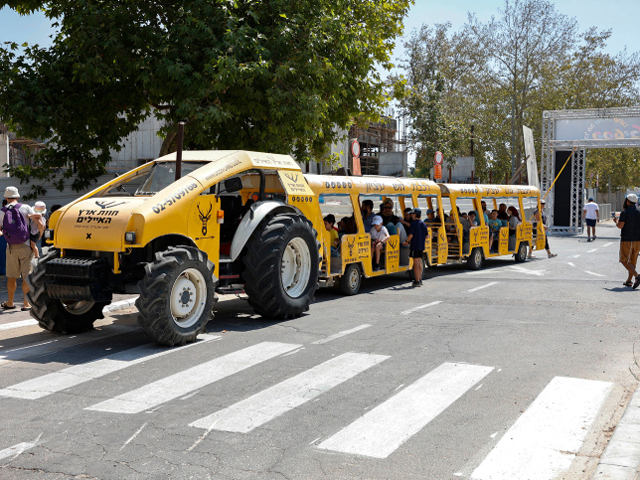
(37, 226)
(329, 222)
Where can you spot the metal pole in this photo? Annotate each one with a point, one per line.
(179, 150)
(513, 138)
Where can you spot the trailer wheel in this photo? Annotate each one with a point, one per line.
(351, 281)
(177, 295)
(281, 266)
(474, 262)
(521, 256)
(60, 316)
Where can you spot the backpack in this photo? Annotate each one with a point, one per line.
(15, 227)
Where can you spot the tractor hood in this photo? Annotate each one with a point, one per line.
(96, 223)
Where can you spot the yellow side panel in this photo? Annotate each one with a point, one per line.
(443, 246)
(203, 225)
(503, 247)
(427, 245)
(363, 252)
(479, 237)
(527, 232)
(540, 241)
(393, 254)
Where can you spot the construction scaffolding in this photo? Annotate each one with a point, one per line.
(376, 138)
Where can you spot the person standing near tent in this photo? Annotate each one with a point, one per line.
(591, 214)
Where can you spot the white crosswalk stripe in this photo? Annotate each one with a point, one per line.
(262, 407)
(546, 438)
(179, 384)
(78, 374)
(381, 431)
(542, 443)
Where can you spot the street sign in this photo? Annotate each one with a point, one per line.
(437, 171)
(355, 148)
(438, 159)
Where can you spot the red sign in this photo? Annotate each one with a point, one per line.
(355, 148)
(438, 159)
(437, 171)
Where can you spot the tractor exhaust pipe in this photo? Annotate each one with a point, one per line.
(179, 140)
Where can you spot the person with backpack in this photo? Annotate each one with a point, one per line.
(16, 219)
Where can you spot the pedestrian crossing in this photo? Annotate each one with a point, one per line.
(542, 442)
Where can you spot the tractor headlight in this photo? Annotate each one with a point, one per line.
(130, 237)
(48, 234)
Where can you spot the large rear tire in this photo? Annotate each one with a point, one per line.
(177, 295)
(61, 316)
(281, 266)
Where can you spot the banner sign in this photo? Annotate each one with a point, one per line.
(597, 129)
(530, 152)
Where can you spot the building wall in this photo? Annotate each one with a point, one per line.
(4, 153)
(138, 147)
(393, 163)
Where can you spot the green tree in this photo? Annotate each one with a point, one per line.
(267, 75)
(502, 74)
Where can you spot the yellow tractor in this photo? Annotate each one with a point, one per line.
(229, 221)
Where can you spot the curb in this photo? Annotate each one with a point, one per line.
(621, 459)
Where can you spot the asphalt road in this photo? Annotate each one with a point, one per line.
(514, 371)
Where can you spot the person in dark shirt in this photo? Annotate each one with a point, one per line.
(416, 240)
(502, 213)
(629, 224)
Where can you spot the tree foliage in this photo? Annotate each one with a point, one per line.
(502, 74)
(265, 75)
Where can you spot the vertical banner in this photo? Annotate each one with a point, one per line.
(530, 152)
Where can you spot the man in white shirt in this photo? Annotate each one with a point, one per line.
(591, 215)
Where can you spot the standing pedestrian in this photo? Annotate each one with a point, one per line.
(591, 215)
(416, 239)
(16, 220)
(629, 224)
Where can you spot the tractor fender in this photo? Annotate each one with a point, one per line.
(257, 212)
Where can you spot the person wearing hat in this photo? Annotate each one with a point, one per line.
(416, 240)
(379, 236)
(19, 253)
(591, 215)
(37, 227)
(541, 217)
(629, 224)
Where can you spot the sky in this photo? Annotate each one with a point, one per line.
(619, 15)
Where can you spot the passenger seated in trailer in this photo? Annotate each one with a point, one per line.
(465, 221)
(431, 221)
(367, 214)
(390, 221)
(514, 220)
(473, 220)
(329, 222)
(484, 211)
(347, 226)
(502, 214)
(494, 228)
(379, 237)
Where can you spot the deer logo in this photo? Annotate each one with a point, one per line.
(350, 245)
(292, 176)
(393, 244)
(112, 204)
(204, 218)
(475, 234)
